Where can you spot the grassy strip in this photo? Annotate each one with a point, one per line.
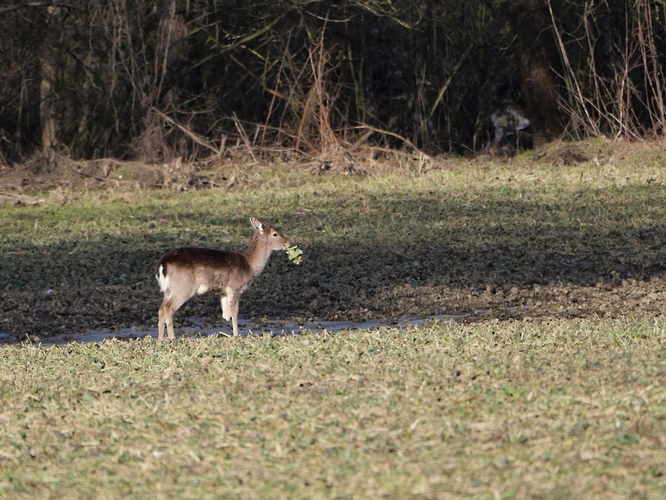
(561, 409)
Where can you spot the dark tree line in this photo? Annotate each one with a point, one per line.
(181, 78)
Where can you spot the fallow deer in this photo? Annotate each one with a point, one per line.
(185, 272)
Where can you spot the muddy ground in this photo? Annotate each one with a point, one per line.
(615, 275)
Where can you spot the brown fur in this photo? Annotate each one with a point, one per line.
(185, 272)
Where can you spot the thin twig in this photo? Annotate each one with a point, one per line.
(189, 133)
(397, 136)
(571, 77)
(19, 198)
(243, 135)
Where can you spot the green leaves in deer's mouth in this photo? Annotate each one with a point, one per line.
(294, 253)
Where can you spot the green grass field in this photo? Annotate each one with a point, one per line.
(561, 409)
(553, 387)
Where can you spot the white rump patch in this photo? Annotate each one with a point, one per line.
(162, 280)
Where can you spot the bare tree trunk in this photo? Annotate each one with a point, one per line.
(46, 105)
(537, 56)
(47, 95)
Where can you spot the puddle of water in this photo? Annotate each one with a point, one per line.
(245, 327)
(5, 338)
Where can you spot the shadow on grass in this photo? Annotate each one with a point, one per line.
(399, 256)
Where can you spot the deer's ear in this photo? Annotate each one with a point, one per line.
(257, 224)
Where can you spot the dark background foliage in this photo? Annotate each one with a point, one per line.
(181, 78)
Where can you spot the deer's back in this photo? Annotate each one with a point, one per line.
(207, 269)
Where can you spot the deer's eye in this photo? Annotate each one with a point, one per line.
(275, 235)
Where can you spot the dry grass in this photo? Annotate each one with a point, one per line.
(559, 409)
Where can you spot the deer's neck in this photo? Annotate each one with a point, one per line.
(257, 255)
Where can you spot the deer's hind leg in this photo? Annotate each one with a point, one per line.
(169, 306)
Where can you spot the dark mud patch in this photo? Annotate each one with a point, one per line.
(74, 287)
(594, 252)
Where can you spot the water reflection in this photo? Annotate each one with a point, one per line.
(246, 327)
